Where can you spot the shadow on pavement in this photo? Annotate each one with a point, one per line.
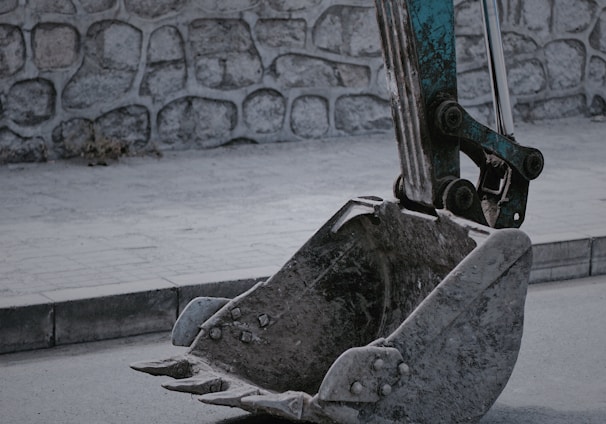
(499, 414)
(255, 419)
(503, 414)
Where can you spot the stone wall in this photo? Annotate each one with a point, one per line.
(95, 77)
(555, 52)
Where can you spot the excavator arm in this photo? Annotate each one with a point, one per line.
(405, 311)
(432, 128)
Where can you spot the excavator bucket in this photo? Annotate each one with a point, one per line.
(384, 315)
(405, 311)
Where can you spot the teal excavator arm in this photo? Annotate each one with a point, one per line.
(432, 128)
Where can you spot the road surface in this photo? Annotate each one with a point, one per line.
(560, 377)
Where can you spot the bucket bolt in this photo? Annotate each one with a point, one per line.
(459, 196)
(386, 390)
(215, 333)
(450, 116)
(356, 388)
(533, 164)
(236, 313)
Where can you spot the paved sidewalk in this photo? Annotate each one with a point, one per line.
(239, 212)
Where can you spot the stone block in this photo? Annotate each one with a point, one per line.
(474, 84)
(8, 6)
(165, 45)
(264, 111)
(381, 83)
(596, 72)
(598, 106)
(129, 126)
(65, 7)
(468, 17)
(196, 122)
(573, 16)
(227, 6)
(527, 77)
(26, 322)
(114, 310)
(55, 45)
(533, 16)
(560, 260)
(93, 85)
(292, 5)
(565, 62)
(113, 51)
(114, 45)
(155, 8)
(94, 6)
(554, 108)
(15, 148)
(361, 114)
(597, 38)
(12, 50)
(309, 116)
(517, 44)
(162, 79)
(227, 284)
(598, 256)
(31, 101)
(295, 70)
(71, 137)
(285, 33)
(348, 30)
(471, 50)
(225, 55)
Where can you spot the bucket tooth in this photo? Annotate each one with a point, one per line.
(199, 385)
(176, 367)
(289, 405)
(231, 397)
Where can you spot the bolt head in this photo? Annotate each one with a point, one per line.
(263, 320)
(378, 364)
(246, 337)
(403, 369)
(463, 198)
(215, 333)
(533, 164)
(356, 388)
(386, 390)
(236, 313)
(450, 116)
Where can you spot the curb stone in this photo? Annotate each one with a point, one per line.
(67, 316)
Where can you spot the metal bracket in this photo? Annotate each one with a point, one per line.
(432, 128)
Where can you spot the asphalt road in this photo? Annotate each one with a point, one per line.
(560, 377)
